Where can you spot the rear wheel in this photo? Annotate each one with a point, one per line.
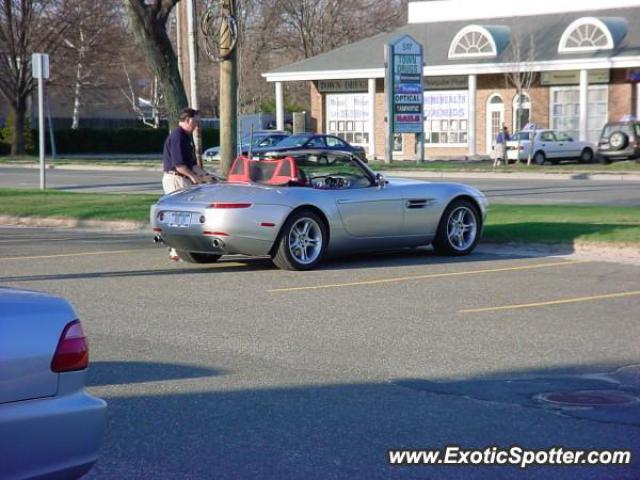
(458, 230)
(539, 158)
(195, 257)
(586, 156)
(302, 242)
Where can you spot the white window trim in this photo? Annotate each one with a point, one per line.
(525, 105)
(596, 22)
(552, 90)
(478, 29)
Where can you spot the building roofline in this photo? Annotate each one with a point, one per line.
(464, 69)
(463, 10)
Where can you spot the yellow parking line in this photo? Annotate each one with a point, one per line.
(431, 275)
(79, 254)
(552, 302)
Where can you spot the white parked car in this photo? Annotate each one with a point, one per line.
(548, 145)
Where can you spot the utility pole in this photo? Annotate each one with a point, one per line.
(228, 86)
(193, 68)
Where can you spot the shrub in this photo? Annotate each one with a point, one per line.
(117, 140)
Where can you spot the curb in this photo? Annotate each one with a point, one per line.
(606, 252)
(614, 177)
(104, 225)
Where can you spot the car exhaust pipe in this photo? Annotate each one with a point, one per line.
(218, 243)
(157, 239)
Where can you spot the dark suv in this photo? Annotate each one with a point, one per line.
(619, 140)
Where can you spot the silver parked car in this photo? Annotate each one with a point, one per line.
(300, 206)
(50, 427)
(548, 145)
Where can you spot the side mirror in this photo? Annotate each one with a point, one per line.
(381, 182)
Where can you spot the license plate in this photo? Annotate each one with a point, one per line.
(179, 219)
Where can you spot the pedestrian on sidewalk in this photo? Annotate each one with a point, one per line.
(500, 148)
(179, 162)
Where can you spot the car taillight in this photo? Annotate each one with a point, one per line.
(73, 350)
(229, 205)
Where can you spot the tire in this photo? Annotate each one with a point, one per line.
(458, 230)
(302, 242)
(539, 158)
(195, 257)
(586, 156)
(618, 140)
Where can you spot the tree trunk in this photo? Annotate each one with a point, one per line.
(75, 123)
(151, 36)
(19, 116)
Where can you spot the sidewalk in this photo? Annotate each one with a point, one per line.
(403, 173)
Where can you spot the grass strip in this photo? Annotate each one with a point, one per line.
(563, 224)
(505, 223)
(88, 206)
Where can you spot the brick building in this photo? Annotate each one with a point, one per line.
(585, 55)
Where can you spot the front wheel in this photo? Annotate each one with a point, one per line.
(539, 158)
(195, 257)
(458, 230)
(586, 156)
(302, 242)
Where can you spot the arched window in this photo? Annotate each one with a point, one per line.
(473, 41)
(590, 34)
(521, 111)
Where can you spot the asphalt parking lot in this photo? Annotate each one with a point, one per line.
(239, 370)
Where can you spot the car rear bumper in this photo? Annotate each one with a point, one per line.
(250, 231)
(51, 438)
(632, 152)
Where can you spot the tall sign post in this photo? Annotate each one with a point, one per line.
(405, 91)
(40, 70)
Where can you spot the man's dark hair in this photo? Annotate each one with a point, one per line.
(187, 113)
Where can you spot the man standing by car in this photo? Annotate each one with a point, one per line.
(501, 146)
(178, 159)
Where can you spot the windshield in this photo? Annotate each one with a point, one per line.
(616, 127)
(294, 141)
(520, 136)
(257, 138)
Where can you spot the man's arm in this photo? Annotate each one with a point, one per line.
(187, 172)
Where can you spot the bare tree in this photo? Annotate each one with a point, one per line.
(146, 109)
(92, 43)
(26, 26)
(312, 27)
(521, 78)
(148, 20)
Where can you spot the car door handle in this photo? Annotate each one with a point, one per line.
(561, 144)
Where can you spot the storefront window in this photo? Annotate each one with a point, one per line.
(446, 117)
(565, 110)
(397, 143)
(347, 117)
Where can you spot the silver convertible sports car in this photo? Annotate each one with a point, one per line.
(299, 207)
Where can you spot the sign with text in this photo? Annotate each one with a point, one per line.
(345, 85)
(404, 85)
(573, 77)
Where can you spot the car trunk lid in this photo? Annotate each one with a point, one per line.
(30, 328)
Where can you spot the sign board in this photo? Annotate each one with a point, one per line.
(348, 85)
(633, 75)
(40, 65)
(404, 85)
(573, 77)
(458, 82)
